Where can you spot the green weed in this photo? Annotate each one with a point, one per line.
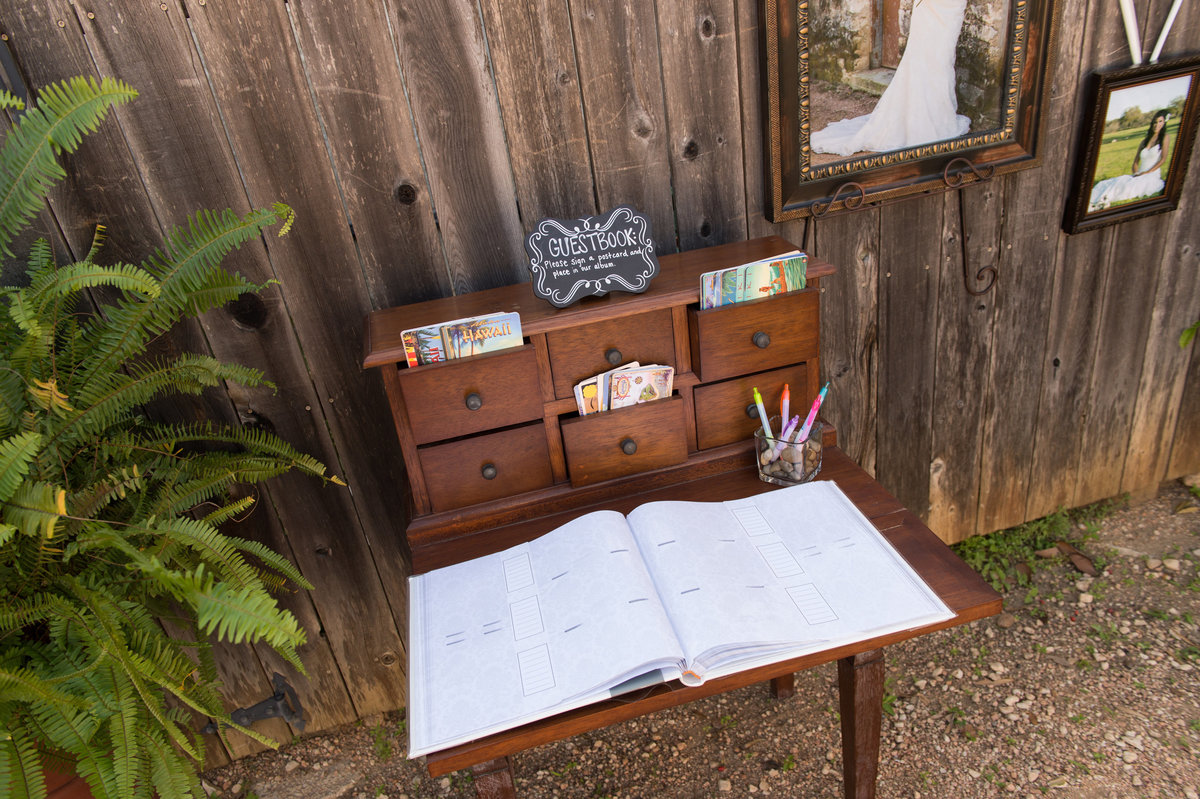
(998, 556)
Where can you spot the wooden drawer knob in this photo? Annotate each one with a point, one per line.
(761, 340)
(613, 356)
(629, 446)
(489, 471)
(474, 401)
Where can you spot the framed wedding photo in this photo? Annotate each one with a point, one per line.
(1136, 141)
(867, 102)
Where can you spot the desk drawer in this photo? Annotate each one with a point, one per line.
(593, 443)
(457, 473)
(721, 409)
(502, 388)
(579, 352)
(756, 335)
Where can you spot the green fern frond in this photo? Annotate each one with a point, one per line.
(12, 398)
(35, 508)
(240, 614)
(98, 238)
(192, 257)
(228, 511)
(123, 735)
(287, 214)
(21, 772)
(16, 453)
(64, 283)
(254, 440)
(170, 775)
(105, 399)
(56, 123)
(41, 256)
(10, 100)
(272, 560)
(25, 685)
(73, 731)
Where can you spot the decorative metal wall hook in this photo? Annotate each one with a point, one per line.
(991, 276)
(858, 196)
(955, 172)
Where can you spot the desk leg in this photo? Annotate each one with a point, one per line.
(494, 779)
(860, 684)
(783, 687)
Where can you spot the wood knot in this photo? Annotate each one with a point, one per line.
(708, 28)
(406, 194)
(691, 150)
(248, 311)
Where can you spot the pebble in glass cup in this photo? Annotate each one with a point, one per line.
(783, 461)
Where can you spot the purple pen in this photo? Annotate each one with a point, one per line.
(788, 429)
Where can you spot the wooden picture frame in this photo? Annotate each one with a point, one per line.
(1112, 183)
(801, 93)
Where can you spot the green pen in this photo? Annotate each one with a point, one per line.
(762, 414)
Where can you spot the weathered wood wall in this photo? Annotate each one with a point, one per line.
(419, 140)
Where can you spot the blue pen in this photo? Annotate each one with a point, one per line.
(812, 416)
(762, 414)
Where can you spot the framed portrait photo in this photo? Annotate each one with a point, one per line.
(1137, 138)
(864, 102)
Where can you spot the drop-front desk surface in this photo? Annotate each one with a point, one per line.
(860, 665)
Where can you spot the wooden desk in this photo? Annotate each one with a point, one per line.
(497, 454)
(860, 665)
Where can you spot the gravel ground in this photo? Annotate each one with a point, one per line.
(1085, 687)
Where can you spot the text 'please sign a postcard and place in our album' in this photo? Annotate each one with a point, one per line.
(591, 256)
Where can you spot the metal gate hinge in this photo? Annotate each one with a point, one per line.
(284, 704)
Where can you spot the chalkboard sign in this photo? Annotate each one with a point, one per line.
(591, 256)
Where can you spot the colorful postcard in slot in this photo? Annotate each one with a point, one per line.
(587, 395)
(775, 275)
(605, 383)
(765, 278)
(423, 345)
(480, 334)
(643, 384)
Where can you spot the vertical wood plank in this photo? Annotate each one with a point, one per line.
(1185, 446)
(616, 46)
(1120, 348)
(444, 62)
(1161, 397)
(750, 77)
(699, 37)
(342, 539)
(960, 386)
(1031, 236)
(351, 68)
(1164, 367)
(908, 288)
(1067, 358)
(850, 329)
(537, 84)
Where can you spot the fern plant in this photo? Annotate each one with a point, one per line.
(109, 522)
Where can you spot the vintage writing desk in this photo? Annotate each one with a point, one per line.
(497, 454)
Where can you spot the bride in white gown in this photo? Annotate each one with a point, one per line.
(919, 105)
(1145, 179)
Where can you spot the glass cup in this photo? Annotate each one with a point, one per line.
(784, 462)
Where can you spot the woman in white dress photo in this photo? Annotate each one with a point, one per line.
(920, 104)
(1145, 177)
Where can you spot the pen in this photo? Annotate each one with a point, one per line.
(784, 402)
(788, 429)
(812, 416)
(762, 414)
